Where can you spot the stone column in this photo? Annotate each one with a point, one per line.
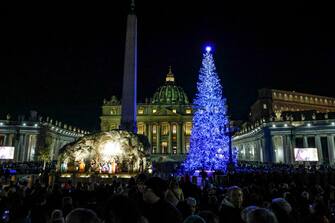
(5, 143)
(146, 129)
(290, 149)
(25, 147)
(319, 147)
(331, 148)
(268, 147)
(179, 127)
(150, 133)
(158, 138)
(183, 139)
(21, 148)
(305, 145)
(170, 139)
(261, 151)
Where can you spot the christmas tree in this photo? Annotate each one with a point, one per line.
(209, 143)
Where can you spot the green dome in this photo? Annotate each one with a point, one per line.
(169, 93)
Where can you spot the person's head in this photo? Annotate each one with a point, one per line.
(209, 216)
(82, 215)
(305, 195)
(246, 211)
(140, 182)
(261, 215)
(155, 189)
(281, 206)
(235, 196)
(56, 214)
(194, 219)
(192, 204)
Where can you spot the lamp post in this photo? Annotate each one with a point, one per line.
(229, 132)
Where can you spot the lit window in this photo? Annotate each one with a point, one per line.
(188, 128)
(140, 111)
(154, 129)
(164, 147)
(188, 111)
(174, 129)
(174, 149)
(174, 111)
(140, 129)
(154, 110)
(265, 106)
(165, 129)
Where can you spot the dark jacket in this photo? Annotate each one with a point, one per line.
(229, 214)
(162, 212)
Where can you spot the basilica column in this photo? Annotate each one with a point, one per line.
(179, 127)
(158, 137)
(150, 133)
(305, 143)
(5, 140)
(170, 139)
(319, 147)
(22, 147)
(261, 158)
(183, 139)
(331, 148)
(146, 129)
(289, 149)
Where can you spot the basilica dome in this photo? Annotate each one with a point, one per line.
(170, 93)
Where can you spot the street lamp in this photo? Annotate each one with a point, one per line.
(229, 131)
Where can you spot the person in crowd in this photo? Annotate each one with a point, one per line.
(194, 219)
(282, 209)
(82, 215)
(120, 209)
(231, 206)
(319, 213)
(209, 216)
(157, 209)
(246, 211)
(135, 192)
(56, 216)
(174, 193)
(67, 205)
(261, 215)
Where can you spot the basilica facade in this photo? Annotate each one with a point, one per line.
(166, 120)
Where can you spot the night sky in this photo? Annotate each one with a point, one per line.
(63, 60)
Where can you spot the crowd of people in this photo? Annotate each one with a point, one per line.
(250, 194)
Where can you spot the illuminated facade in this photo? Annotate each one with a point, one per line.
(29, 136)
(282, 121)
(166, 120)
(271, 103)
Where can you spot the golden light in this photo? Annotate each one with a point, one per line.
(111, 148)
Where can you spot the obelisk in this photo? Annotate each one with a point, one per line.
(129, 94)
